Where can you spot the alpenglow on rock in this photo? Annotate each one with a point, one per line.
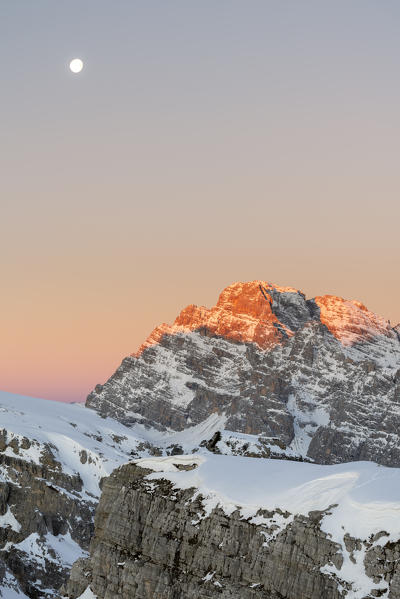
(319, 378)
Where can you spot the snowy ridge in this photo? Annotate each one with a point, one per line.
(251, 312)
(264, 373)
(359, 499)
(70, 429)
(350, 321)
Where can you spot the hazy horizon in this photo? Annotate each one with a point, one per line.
(202, 144)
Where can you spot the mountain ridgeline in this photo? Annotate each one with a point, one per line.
(316, 379)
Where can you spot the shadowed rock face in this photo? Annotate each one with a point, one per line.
(153, 541)
(322, 376)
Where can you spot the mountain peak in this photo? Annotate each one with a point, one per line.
(252, 299)
(266, 314)
(244, 313)
(350, 321)
(320, 375)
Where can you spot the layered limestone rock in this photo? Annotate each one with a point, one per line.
(321, 377)
(352, 323)
(40, 507)
(52, 459)
(150, 544)
(156, 541)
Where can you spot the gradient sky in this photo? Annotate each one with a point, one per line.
(204, 142)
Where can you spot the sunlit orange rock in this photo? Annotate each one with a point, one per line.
(349, 320)
(243, 313)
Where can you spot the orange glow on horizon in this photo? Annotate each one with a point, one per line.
(61, 348)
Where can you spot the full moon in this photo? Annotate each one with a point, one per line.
(76, 65)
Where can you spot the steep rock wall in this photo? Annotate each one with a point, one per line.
(154, 542)
(38, 504)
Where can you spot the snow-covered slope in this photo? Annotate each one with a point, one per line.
(69, 430)
(52, 459)
(358, 499)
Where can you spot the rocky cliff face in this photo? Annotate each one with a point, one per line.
(52, 459)
(155, 540)
(45, 524)
(150, 544)
(321, 377)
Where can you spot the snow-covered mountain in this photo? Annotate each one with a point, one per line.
(319, 378)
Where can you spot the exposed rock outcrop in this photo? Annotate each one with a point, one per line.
(150, 544)
(153, 541)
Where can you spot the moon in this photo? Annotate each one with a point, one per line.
(76, 65)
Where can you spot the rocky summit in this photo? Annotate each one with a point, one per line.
(314, 378)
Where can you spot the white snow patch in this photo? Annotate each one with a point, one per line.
(168, 463)
(193, 435)
(88, 594)
(10, 589)
(34, 548)
(9, 520)
(305, 422)
(66, 549)
(275, 524)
